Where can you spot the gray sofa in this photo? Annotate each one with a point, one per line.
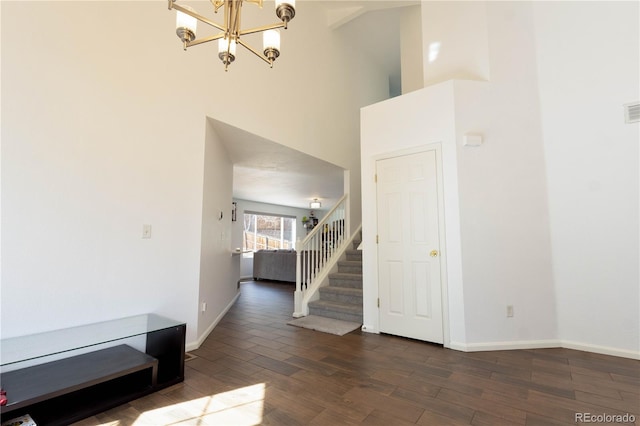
(277, 265)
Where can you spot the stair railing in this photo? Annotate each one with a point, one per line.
(316, 251)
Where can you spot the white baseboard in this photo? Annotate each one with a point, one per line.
(369, 329)
(542, 344)
(192, 346)
(605, 350)
(469, 347)
(503, 346)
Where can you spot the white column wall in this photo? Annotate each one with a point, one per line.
(417, 120)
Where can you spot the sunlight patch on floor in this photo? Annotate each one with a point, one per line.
(242, 406)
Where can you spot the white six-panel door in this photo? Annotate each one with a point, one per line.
(409, 285)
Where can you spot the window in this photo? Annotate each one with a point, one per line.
(268, 232)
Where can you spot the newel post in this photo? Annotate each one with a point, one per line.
(297, 296)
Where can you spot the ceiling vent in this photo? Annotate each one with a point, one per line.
(632, 112)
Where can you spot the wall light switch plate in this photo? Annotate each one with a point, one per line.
(146, 231)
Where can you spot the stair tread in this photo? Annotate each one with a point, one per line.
(336, 306)
(342, 298)
(346, 275)
(350, 266)
(343, 290)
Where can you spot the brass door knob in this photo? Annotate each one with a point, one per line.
(434, 253)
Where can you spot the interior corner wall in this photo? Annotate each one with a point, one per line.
(411, 50)
(588, 65)
(219, 269)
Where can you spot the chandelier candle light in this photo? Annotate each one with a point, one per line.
(230, 33)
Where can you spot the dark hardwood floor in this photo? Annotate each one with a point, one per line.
(256, 369)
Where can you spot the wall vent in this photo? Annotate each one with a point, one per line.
(632, 112)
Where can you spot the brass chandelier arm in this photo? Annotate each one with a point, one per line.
(173, 5)
(251, 49)
(230, 32)
(261, 29)
(205, 39)
(232, 17)
(217, 4)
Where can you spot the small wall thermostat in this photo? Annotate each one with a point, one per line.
(472, 139)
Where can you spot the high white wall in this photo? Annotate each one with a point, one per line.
(503, 190)
(104, 130)
(588, 66)
(90, 153)
(555, 180)
(454, 39)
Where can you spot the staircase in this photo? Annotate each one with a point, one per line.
(342, 298)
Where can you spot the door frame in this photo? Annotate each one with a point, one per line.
(437, 147)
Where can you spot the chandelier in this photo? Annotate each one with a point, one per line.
(230, 33)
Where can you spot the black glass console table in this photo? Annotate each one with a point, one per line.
(96, 368)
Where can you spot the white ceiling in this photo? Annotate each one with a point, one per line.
(268, 172)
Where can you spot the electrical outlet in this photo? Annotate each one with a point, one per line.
(509, 311)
